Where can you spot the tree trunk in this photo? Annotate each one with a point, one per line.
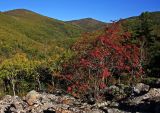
(13, 87)
(39, 84)
(53, 84)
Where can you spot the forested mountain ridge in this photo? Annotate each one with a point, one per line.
(89, 24)
(28, 32)
(154, 18)
(25, 31)
(38, 27)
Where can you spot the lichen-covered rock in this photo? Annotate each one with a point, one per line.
(148, 102)
(36, 102)
(141, 88)
(141, 99)
(12, 104)
(32, 97)
(45, 103)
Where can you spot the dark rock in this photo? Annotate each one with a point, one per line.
(148, 102)
(48, 111)
(154, 103)
(157, 83)
(110, 92)
(90, 98)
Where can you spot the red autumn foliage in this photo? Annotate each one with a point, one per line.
(102, 85)
(69, 89)
(104, 57)
(105, 73)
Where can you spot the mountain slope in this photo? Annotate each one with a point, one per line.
(13, 41)
(31, 33)
(88, 24)
(25, 31)
(40, 27)
(132, 22)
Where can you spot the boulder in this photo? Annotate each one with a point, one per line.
(148, 102)
(12, 104)
(153, 92)
(32, 97)
(90, 99)
(36, 102)
(114, 110)
(141, 89)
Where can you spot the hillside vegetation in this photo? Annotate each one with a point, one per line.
(41, 53)
(29, 32)
(89, 24)
(133, 22)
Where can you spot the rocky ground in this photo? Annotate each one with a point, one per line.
(140, 98)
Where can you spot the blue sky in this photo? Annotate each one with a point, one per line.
(104, 10)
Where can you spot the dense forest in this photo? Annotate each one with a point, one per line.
(41, 53)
